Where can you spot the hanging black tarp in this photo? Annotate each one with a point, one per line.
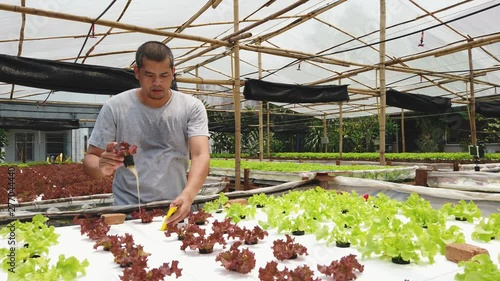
(488, 108)
(279, 92)
(417, 102)
(289, 129)
(229, 128)
(38, 124)
(65, 76)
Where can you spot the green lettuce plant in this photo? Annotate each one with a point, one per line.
(40, 269)
(33, 240)
(462, 210)
(421, 211)
(341, 236)
(238, 211)
(488, 228)
(441, 236)
(217, 204)
(382, 201)
(478, 268)
(297, 224)
(260, 200)
(399, 241)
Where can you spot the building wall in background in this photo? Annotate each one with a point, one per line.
(43, 144)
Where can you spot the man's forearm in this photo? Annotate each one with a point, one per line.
(198, 172)
(91, 166)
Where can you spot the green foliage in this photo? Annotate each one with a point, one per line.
(431, 134)
(374, 156)
(341, 234)
(478, 268)
(462, 210)
(260, 199)
(420, 211)
(487, 228)
(287, 166)
(238, 211)
(441, 236)
(3, 143)
(214, 205)
(392, 239)
(33, 240)
(490, 128)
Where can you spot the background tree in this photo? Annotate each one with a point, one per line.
(3, 144)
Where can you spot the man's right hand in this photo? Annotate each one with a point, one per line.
(98, 163)
(109, 160)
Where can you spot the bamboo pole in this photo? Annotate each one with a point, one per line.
(261, 121)
(146, 30)
(237, 105)
(128, 31)
(403, 139)
(492, 39)
(187, 23)
(302, 19)
(197, 75)
(270, 17)
(375, 49)
(268, 131)
(472, 100)
(382, 82)
(436, 74)
(91, 49)
(213, 47)
(21, 41)
(325, 134)
(239, 37)
(341, 131)
(198, 80)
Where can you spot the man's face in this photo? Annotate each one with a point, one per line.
(155, 79)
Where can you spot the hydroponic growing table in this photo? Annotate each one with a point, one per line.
(202, 267)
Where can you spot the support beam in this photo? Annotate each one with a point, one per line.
(472, 100)
(382, 82)
(237, 104)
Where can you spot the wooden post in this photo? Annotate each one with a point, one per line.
(382, 82)
(237, 105)
(261, 121)
(421, 177)
(268, 132)
(341, 131)
(323, 179)
(196, 73)
(403, 139)
(246, 179)
(472, 118)
(324, 133)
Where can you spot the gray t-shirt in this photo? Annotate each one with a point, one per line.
(161, 135)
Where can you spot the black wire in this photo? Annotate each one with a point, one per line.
(414, 32)
(90, 29)
(386, 40)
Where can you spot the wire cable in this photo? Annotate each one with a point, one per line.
(92, 28)
(387, 40)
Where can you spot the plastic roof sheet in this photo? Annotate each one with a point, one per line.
(318, 42)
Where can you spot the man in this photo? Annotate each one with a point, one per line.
(168, 128)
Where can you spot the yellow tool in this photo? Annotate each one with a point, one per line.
(170, 212)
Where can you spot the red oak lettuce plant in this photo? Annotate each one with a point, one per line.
(242, 261)
(343, 270)
(283, 250)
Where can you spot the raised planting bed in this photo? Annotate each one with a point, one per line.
(461, 180)
(371, 223)
(288, 171)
